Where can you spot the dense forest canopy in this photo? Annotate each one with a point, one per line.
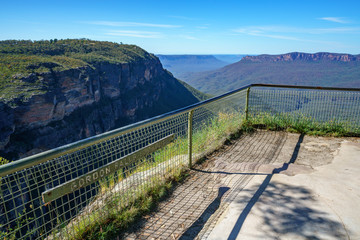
(83, 49)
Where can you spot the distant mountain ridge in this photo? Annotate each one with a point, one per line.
(298, 56)
(178, 64)
(296, 68)
(183, 65)
(230, 58)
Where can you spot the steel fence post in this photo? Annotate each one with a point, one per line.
(247, 104)
(190, 120)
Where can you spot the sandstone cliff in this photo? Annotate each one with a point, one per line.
(298, 56)
(85, 101)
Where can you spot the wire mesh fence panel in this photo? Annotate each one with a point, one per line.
(213, 122)
(322, 106)
(64, 197)
(25, 215)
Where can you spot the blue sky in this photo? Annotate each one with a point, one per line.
(192, 27)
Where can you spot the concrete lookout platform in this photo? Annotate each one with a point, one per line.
(321, 204)
(266, 185)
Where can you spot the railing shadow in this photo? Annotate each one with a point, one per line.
(193, 203)
(288, 210)
(261, 188)
(189, 213)
(198, 225)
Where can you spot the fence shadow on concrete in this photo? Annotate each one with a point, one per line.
(287, 209)
(194, 202)
(191, 210)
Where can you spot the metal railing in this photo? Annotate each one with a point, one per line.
(61, 192)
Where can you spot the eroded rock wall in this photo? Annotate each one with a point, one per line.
(86, 101)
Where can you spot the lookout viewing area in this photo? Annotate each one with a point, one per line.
(260, 162)
(265, 185)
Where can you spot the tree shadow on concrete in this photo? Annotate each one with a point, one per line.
(287, 209)
(291, 211)
(235, 231)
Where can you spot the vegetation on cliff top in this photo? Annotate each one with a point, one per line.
(87, 50)
(19, 59)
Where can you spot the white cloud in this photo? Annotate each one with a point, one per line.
(137, 34)
(189, 37)
(276, 36)
(131, 24)
(202, 27)
(334, 19)
(336, 30)
(287, 33)
(286, 30)
(261, 32)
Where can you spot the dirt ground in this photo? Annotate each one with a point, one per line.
(195, 206)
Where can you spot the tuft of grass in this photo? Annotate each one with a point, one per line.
(214, 133)
(302, 124)
(122, 219)
(3, 161)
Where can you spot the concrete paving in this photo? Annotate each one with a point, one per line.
(265, 185)
(322, 203)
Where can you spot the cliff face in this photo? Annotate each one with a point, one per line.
(86, 101)
(297, 56)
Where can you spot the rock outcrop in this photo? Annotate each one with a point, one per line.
(82, 102)
(298, 56)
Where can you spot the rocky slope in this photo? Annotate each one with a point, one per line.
(319, 69)
(80, 102)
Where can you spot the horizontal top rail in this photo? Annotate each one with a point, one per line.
(303, 87)
(81, 144)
